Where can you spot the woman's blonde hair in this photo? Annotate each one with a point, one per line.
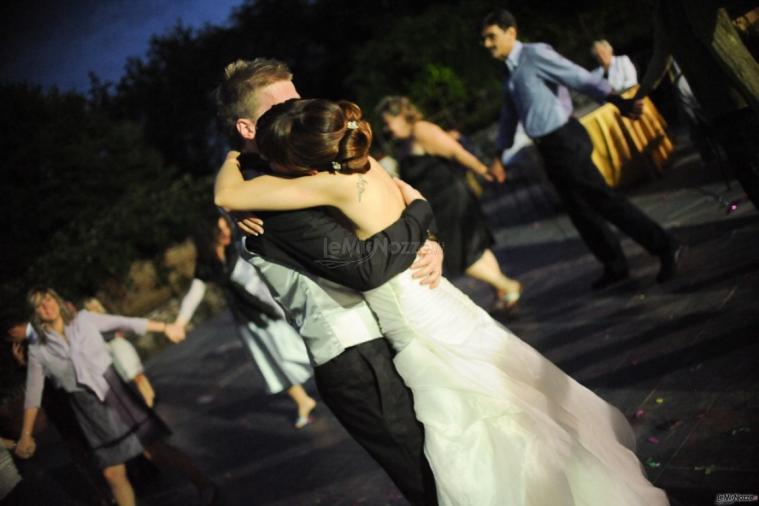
(396, 105)
(94, 305)
(34, 298)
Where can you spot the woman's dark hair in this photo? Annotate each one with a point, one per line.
(204, 236)
(502, 18)
(302, 135)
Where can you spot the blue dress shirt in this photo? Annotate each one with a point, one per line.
(535, 91)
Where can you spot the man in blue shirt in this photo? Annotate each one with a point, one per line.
(535, 93)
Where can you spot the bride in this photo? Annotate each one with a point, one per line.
(503, 425)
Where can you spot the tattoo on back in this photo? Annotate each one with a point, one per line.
(361, 185)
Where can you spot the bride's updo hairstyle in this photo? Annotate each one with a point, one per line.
(302, 135)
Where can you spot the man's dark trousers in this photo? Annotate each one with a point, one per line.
(363, 389)
(591, 203)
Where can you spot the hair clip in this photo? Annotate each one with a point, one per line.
(336, 166)
(352, 125)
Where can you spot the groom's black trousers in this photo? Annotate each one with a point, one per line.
(363, 389)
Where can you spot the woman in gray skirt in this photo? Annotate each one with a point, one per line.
(117, 424)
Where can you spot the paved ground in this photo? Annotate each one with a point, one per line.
(680, 359)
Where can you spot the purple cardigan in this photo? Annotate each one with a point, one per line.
(82, 361)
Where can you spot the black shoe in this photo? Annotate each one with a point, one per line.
(669, 260)
(610, 277)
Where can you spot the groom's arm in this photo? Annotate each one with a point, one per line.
(313, 240)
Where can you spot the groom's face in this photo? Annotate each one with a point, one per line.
(272, 94)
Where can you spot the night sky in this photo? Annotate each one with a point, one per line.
(59, 42)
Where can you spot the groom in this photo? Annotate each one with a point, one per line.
(353, 369)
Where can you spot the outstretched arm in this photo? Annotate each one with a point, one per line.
(190, 302)
(270, 193)
(555, 68)
(35, 383)
(436, 142)
(140, 326)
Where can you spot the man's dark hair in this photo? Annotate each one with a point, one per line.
(501, 18)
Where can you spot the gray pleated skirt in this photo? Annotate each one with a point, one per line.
(119, 428)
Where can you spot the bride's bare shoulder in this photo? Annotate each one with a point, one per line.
(377, 170)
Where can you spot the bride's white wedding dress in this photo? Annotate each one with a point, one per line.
(503, 425)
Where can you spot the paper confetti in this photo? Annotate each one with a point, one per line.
(653, 440)
(660, 400)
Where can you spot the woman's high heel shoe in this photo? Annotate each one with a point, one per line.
(302, 421)
(305, 418)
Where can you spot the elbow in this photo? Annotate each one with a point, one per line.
(221, 199)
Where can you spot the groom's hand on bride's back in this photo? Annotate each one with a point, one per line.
(428, 268)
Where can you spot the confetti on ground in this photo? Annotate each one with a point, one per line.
(706, 469)
(652, 463)
(640, 413)
(660, 400)
(653, 440)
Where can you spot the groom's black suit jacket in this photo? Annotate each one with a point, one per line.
(319, 241)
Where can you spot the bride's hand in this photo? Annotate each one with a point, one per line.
(409, 193)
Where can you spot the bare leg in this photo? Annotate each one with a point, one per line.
(305, 403)
(120, 487)
(487, 269)
(145, 388)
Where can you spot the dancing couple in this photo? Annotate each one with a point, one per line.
(501, 424)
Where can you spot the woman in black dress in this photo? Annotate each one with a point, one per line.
(427, 163)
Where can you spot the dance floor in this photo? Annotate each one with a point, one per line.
(679, 359)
